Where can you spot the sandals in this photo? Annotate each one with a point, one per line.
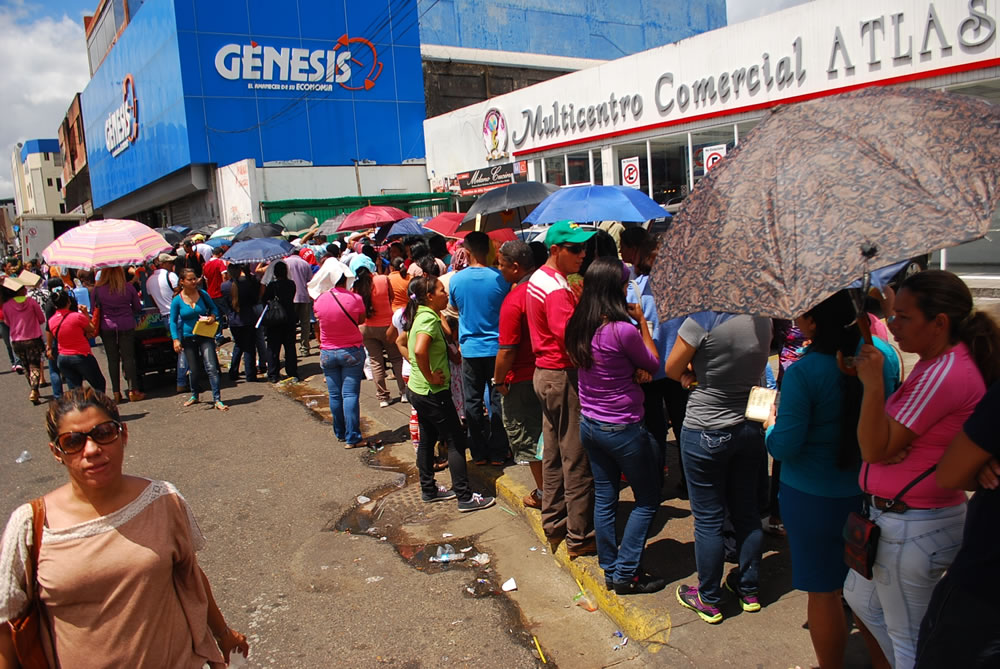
(191, 400)
(220, 406)
(136, 396)
(376, 445)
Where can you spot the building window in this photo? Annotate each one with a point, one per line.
(50, 180)
(45, 156)
(62, 207)
(59, 183)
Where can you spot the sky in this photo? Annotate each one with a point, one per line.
(43, 51)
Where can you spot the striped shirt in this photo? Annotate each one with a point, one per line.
(549, 304)
(933, 402)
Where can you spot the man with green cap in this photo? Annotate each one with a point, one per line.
(568, 485)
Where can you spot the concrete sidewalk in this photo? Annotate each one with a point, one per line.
(774, 637)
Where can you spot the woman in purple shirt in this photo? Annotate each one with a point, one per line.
(608, 350)
(119, 303)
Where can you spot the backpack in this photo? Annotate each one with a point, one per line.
(275, 314)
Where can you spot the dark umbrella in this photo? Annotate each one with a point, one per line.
(592, 204)
(259, 231)
(258, 250)
(330, 225)
(822, 191)
(407, 226)
(297, 221)
(180, 229)
(172, 236)
(507, 206)
(371, 216)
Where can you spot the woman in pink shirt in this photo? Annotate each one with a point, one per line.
(902, 438)
(339, 313)
(71, 331)
(24, 318)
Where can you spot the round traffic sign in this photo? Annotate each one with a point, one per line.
(630, 175)
(712, 158)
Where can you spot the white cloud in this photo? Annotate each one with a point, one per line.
(44, 65)
(743, 10)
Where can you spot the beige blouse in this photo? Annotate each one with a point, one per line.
(123, 590)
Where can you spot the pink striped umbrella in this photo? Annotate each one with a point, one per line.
(107, 243)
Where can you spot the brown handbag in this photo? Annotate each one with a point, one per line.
(28, 631)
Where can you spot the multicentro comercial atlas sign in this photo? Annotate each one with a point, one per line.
(352, 63)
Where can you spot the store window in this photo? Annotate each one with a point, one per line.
(579, 168)
(668, 157)
(625, 152)
(555, 170)
(595, 156)
(708, 139)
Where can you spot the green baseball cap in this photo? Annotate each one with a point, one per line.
(567, 232)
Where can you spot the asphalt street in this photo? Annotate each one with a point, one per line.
(269, 483)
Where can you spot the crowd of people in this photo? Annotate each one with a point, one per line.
(552, 355)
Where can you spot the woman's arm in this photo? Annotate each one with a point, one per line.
(422, 353)
(961, 463)
(786, 439)
(227, 638)
(879, 436)
(8, 658)
(680, 357)
(401, 341)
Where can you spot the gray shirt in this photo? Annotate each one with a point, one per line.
(730, 358)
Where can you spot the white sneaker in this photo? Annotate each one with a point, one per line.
(402, 398)
(383, 404)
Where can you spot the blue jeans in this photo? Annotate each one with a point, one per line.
(182, 370)
(721, 468)
(487, 437)
(914, 550)
(616, 449)
(54, 376)
(5, 335)
(200, 354)
(344, 368)
(79, 368)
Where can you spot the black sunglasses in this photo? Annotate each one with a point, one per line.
(69, 443)
(575, 249)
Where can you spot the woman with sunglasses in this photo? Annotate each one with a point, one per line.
(117, 552)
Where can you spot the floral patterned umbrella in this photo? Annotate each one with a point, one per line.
(822, 191)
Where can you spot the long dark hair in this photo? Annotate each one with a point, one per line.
(420, 289)
(363, 284)
(941, 292)
(602, 301)
(837, 332)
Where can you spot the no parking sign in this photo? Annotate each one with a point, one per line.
(630, 172)
(713, 154)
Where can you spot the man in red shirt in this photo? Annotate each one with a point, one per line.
(515, 366)
(212, 272)
(568, 485)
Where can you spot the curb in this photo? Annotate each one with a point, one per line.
(648, 624)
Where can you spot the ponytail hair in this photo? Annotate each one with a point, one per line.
(420, 289)
(363, 285)
(941, 292)
(235, 272)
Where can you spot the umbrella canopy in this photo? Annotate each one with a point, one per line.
(182, 230)
(407, 226)
(592, 204)
(822, 191)
(258, 231)
(330, 225)
(170, 235)
(218, 242)
(445, 224)
(208, 230)
(507, 206)
(297, 221)
(371, 216)
(230, 232)
(107, 243)
(258, 250)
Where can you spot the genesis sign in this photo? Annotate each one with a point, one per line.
(352, 63)
(121, 129)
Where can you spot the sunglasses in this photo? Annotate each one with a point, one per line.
(69, 443)
(575, 249)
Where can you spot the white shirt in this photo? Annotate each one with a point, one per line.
(204, 250)
(160, 286)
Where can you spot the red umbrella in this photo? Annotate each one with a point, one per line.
(447, 224)
(371, 216)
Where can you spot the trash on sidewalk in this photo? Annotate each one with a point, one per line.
(447, 553)
(585, 601)
(363, 499)
(467, 549)
(538, 647)
(482, 559)
(622, 639)
(24, 457)
(509, 585)
(374, 579)
(447, 535)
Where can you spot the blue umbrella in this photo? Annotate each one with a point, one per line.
(591, 204)
(401, 228)
(218, 242)
(182, 230)
(264, 249)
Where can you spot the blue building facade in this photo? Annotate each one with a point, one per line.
(306, 82)
(574, 28)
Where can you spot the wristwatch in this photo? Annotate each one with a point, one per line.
(493, 382)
